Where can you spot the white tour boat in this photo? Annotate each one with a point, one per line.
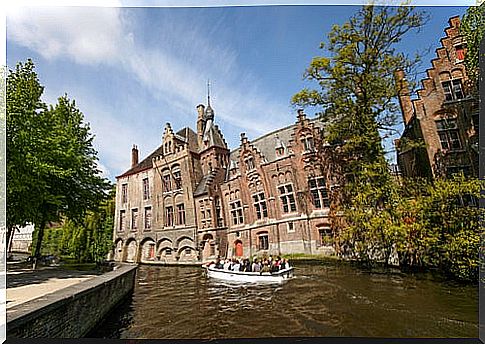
(250, 277)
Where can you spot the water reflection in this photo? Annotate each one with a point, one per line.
(322, 300)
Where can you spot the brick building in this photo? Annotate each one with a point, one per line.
(443, 116)
(193, 199)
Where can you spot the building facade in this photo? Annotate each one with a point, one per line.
(443, 116)
(193, 199)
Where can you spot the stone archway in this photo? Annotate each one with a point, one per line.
(146, 252)
(131, 248)
(208, 247)
(187, 254)
(118, 250)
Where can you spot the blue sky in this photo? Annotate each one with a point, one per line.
(131, 70)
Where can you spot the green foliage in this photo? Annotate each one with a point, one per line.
(89, 240)
(356, 85)
(51, 165)
(473, 29)
(426, 224)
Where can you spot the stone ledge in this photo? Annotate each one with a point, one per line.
(29, 311)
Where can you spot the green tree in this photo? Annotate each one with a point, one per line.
(357, 98)
(51, 160)
(473, 29)
(25, 146)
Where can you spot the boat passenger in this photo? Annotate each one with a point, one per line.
(227, 264)
(256, 266)
(235, 265)
(247, 265)
(219, 264)
(265, 267)
(275, 266)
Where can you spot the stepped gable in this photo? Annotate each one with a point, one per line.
(444, 60)
(213, 137)
(266, 145)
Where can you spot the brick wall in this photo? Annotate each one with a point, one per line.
(71, 312)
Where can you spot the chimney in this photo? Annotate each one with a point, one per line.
(404, 96)
(200, 123)
(134, 156)
(301, 115)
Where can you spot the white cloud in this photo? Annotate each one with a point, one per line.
(174, 71)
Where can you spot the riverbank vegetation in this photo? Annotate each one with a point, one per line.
(378, 216)
(86, 241)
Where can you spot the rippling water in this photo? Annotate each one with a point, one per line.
(325, 299)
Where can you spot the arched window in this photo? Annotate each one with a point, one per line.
(263, 241)
(177, 177)
(166, 180)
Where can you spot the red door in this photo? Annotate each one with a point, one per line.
(239, 249)
(151, 253)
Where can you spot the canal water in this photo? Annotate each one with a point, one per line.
(324, 299)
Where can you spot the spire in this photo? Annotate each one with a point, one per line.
(209, 113)
(208, 93)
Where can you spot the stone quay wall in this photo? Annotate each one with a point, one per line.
(74, 311)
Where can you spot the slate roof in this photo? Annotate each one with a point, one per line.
(145, 164)
(268, 143)
(185, 134)
(213, 135)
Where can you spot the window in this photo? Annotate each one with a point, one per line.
(326, 236)
(166, 182)
(280, 151)
(124, 193)
(287, 198)
(134, 218)
(188, 251)
(460, 52)
(291, 227)
(452, 170)
(205, 211)
(169, 216)
(236, 213)
(453, 90)
(168, 252)
(263, 241)
(260, 205)
(122, 220)
(181, 214)
(448, 133)
(148, 217)
(476, 122)
(219, 219)
(146, 189)
(212, 251)
(308, 144)
(250, 163)
(177, 178)
(318, 190)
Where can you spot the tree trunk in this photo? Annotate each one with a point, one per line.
(10, 233)
(38, 244)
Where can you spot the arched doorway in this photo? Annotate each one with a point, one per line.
(118, 250)
(131, 251)
(207, 246)
(238, 248)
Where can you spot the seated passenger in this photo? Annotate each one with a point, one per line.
(227, 264)
(265, 268)
(235, 265)
(256, 266)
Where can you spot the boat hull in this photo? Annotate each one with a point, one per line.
(250, 277)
